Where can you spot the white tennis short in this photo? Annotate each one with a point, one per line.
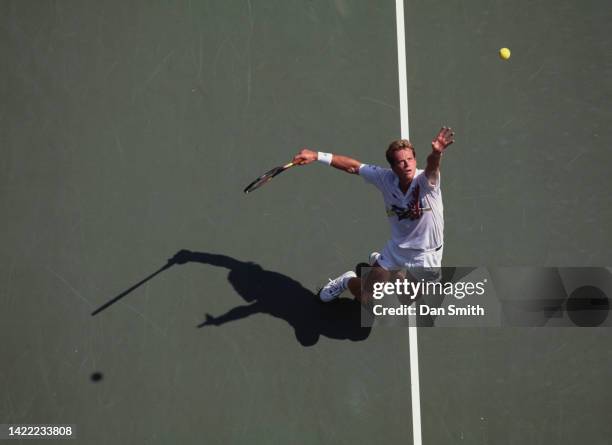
(421, 264)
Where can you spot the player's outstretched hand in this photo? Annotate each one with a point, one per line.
(443, 139)
(304, 157)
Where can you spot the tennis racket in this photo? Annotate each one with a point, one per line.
(267, 176)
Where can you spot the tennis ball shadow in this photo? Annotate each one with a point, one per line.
(96, 377)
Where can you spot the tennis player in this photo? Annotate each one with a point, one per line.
(413, 202)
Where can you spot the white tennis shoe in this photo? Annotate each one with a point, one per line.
(373, 258)
(335, 287)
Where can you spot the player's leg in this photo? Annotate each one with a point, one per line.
(425, 267)
(382, 269)
(381, 264)
(362, 288)
(349, 280)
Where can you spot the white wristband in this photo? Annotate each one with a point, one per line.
(325, 158)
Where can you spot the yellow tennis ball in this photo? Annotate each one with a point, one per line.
(504, 53)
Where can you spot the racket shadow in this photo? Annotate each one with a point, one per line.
(280, 296)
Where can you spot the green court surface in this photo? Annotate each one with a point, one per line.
(128, 131)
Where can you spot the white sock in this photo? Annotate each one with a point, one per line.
(345, 281)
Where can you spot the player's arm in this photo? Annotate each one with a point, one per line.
(343, 163)
(438, 145)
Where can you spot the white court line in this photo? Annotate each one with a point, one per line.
(401, 66)
(405, 134)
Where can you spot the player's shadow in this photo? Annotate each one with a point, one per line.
(275, 294)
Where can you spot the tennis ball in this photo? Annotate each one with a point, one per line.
(504, 53)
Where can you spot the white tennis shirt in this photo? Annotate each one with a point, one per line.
(417, 216)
